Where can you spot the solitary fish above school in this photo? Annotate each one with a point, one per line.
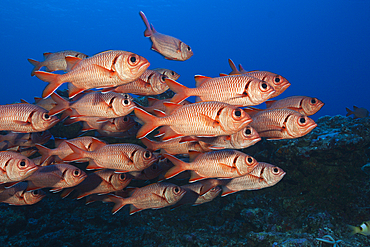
(168, 46)
(357, 112)
(25, 118)
(105, 69)
(363, 229)
(55, 61)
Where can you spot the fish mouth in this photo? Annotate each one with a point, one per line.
(31, 171)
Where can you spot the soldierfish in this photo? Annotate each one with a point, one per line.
(174, 146)
(55, 61)
(15, 167)
(25, 139)
(56, 177)
(168, 46)
(169, 73)
(262, 176)
(240, 90)
(95, 104)
(157, 195)
(215, 164)
(199, 119)
(120, 157)
(17, 195)
(149, 83)
(282, 124)
(152, 171)
(302, 104)
(157, 104)
(25, 118)
(105, 69)
(99, 182)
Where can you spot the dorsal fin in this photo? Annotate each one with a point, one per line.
(242, 70)
(269, 103)
(200, 79)
(234, 70)
(47, 54)
(71, 62)
(170, 107)
(37, 99)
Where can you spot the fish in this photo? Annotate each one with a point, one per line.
(17, 195)
(278, 124)
(99, 182)
(174, 146)
(106, 69)
(363, 229)
(15, 167)
(56, 177)
(63, 150)
(152, 171)
(215, 164)
(55, 61)
(169, 73)
(199, 119)
(169, 47)
(149, 83)
(262, 176)
(302, 104)
(25, 118)
(120, 157)
(156, 195)
(25, 139)
(95, 104)
(112, 125)
(157, 104)
(239, 90)
(358, 112)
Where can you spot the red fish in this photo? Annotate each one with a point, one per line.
(216, 164)
(169, 73)
(302, 104)
(282, 124)
(157, 104)
(157, 195)
(174, 146)
(17, 195)
(240, 90)
(168, 46)
(199, 119)
(15, 167)
(263, 175)
(106, 69)
(25, 118)
(55, 61)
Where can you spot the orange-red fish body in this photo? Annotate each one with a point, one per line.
(17, 195)
(157, 195)
(15, 167)
(282, 124)
(263, 175)
(95, 104)
(99, 182)
(170, 47)
(149, 83)
(240, 90)
(215, 164)
(25, 139)
(199, 192)
(47, 103)
(57, 177)
(63, 150)
(157, 104)
(199, 119)
(152, 171)
(55, 61)
(169, 73)
(25, 118)
(174, 146)
(106, 69)
(120, 157)
(302, 104)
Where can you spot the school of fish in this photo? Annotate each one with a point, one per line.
(197, 141)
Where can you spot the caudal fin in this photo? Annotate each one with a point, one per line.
(77, 154)
(45, 153)
(349, 112)
(61, 104)
(148, 32)
(150, 145)
(52, 79)
(150, 122)
(181, 91)
(179, 166)
(37, 65)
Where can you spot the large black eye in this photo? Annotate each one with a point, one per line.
(250, 160)
(264, 85)
(46, 116)
(147, 154)
(23, 163)
(125, 119)
(313, 101)
(126, 102)
(122, 176)
(277, 79)
(302, 120)
(133, 59)
(172, 73)
(35, 192)
(247, 131)
(164, 77)
(76, 172)
(189, 48)
(275, 170)
(238, 113)
(176, 189)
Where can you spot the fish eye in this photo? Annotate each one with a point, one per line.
(147, 154)
(122, 176)
(313, 101)
(249, 160)
(23, 163)
(163, 77)
(247, 131)
(238, 113)
(76, 172)
(277, 79)
(302, 120)
(264, 85)
(125, 119)
(154, 167)
(189, 49)
(176, 189)
(126, 102)
(46, 116)
(35, 192)
(275, 170)
(172, 73)
(133, 59)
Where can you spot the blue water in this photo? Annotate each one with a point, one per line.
(321, 47)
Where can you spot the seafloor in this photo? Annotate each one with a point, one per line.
(326, 187)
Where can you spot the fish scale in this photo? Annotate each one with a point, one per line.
(302, 104)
